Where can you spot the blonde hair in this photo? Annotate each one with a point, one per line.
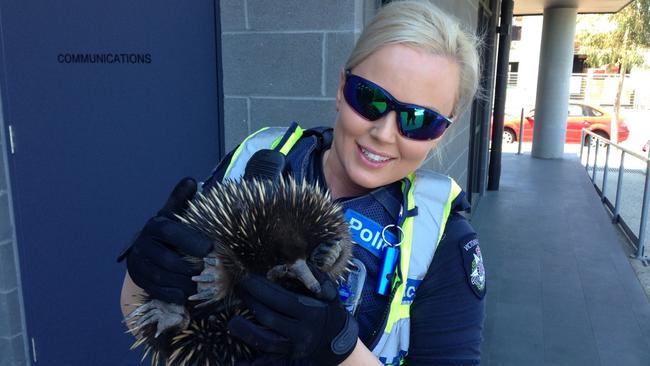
(422, 25)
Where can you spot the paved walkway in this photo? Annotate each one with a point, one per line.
(561, 290)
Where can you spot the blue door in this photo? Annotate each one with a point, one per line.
(109, 103)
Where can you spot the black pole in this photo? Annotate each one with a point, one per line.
(220, 96)
(494, 171)
(486, 111)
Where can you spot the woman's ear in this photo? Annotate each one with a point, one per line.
(339, 91)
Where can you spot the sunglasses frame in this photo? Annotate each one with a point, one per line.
(395, 105)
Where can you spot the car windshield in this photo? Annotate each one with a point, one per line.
(575, 110)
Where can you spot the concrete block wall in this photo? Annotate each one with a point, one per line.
(282, 59)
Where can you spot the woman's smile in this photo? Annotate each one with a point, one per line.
(373, 158)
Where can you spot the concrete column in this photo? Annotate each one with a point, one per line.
(555, 64)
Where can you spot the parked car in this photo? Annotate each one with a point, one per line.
(580, 116)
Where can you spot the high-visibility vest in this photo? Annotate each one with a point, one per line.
(434, 194)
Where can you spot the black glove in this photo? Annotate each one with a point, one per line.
(293, 325)
(155, 259)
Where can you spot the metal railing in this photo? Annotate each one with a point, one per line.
(631, 194)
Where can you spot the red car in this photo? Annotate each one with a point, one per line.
(580, 116)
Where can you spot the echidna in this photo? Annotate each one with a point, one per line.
(276, 228)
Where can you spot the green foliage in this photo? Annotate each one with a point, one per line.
(636, 18)
(625, 44)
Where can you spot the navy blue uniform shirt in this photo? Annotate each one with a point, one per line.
(448, 309)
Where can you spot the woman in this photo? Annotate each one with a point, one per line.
(412, 71)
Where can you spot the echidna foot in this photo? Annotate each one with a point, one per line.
(280, 272)
(326, 255)
(305, 276)
(210, 283)
(298, 270)
(165, 315)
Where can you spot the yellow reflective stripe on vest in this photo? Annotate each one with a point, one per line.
(397, 310)
(453, 193)
(436, 195)
(291, 141)
(237, 152)
(265, 138)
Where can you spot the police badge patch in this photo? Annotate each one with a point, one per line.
(474, 269)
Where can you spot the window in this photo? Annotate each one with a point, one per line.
(575, 110)
(516, 33)
(595, 112)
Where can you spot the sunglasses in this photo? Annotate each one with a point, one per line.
(372, 102)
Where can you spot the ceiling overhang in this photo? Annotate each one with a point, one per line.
(536, 7)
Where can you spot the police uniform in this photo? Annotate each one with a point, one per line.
(445, 305)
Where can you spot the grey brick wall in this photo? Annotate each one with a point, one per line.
(13, 342)
(281, 62)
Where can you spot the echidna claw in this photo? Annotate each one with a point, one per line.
(151, 319)
(206, 294)
(164, 315)
(148, 318)
(207, 277)
(210, 282)
(211, 261)
(137, 312)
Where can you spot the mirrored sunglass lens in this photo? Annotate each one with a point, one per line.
(419, 124)
(412, 118)
(371, 102)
